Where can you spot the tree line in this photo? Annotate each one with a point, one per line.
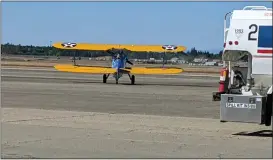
(12, 49)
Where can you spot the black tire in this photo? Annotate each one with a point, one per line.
(133, 79)
(104, 78)
(216, 96)
(268, 110)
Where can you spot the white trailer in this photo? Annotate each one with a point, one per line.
(248, 39)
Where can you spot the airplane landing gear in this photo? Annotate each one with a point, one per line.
(132, 78)
(105, 77)
(116, 78)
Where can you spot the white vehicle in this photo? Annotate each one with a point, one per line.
(248, 40)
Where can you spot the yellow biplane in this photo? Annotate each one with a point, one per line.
(119, 60)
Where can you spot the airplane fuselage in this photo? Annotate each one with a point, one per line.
(118, 63)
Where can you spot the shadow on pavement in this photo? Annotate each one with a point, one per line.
(262, 133)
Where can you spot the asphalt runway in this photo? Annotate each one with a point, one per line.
(181, 95)
(80, 117)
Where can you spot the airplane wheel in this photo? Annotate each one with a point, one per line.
(104, 78)
(133, 79)
(116, 82)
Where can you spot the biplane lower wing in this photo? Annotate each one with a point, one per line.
(85, 69)
(151, 70)
(108, 70)
(104, 47)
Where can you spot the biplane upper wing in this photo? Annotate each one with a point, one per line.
(108, 70)
(104, 47)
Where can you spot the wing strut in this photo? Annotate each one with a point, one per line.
(164, 54)
(74, 57)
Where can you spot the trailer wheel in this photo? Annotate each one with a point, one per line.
(216, 96)
(268, 110)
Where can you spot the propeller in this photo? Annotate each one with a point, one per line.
(127, 60)
(131, 63)
(113, 52)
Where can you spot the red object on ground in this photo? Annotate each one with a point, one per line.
(223, 76)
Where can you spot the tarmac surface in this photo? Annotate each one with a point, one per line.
(49, 114)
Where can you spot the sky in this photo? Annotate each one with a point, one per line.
(191, 24)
